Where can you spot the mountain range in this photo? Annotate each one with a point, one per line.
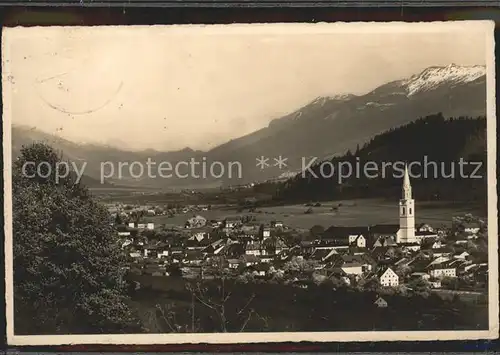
(325, 127)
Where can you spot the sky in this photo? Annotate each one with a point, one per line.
(171, 87)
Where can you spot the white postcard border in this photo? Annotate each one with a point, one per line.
(230, 338)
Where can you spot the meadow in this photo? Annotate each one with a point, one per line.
(343, 213)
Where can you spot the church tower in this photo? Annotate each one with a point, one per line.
(406, 232)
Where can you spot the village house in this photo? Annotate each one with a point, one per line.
(441, 252)
(384, 240)
(328, 245)
(359, 242)
(461, 240)
(253, 248)
(278, 224)
(194, 244)
(162, 252)
(439, 260)
(258, 269)
(437, 245)
(199, 233)
(380, 302)
(344, 236)
(215, 224)
(177, 250)
(462, 256)
(249, 260)
(423, 227)
(353, 268)
(233, 263)
(356, 251)
(385, 234)
(442, 270)
(471, 228)
(267, 258)
(232, 223)
(388, 278)
(193, 258)
(410, 247)
(149, 251)
(435, 283)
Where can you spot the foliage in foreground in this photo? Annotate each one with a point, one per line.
(68, 265)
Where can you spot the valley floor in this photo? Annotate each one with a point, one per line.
(350, 213)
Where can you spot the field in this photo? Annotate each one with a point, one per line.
(350, 213)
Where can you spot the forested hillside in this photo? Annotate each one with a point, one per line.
(377, 167)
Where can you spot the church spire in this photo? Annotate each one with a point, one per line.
(406, 185)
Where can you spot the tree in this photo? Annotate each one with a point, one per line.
(371, 284)
(299, 265)
(420, 287)
(403, 271)
(357, 150)
(68, 263)
(216, 297)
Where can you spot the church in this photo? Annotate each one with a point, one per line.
(384, 235)
(406, 232)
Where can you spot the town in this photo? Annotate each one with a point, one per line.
(399, 257)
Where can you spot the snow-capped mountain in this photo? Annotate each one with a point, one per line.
(325, 127)
(433, 77)
(330, 125)
(322, 100)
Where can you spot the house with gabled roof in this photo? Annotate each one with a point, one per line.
(267, 258)
(445, 252)
(388, 277)
(472, 228)
(253, 248)
(380, 302)
(258, 269)
(461, 255)
(352, 268)
(234, 263)
(277, 224)
(424, 227)
(384, 241)
(345, 236)
(249, 259)
(409, 247)
(445, 269)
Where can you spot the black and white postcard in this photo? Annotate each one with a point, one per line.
(250, 183)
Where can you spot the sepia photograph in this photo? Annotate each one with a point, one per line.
(250, 183)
